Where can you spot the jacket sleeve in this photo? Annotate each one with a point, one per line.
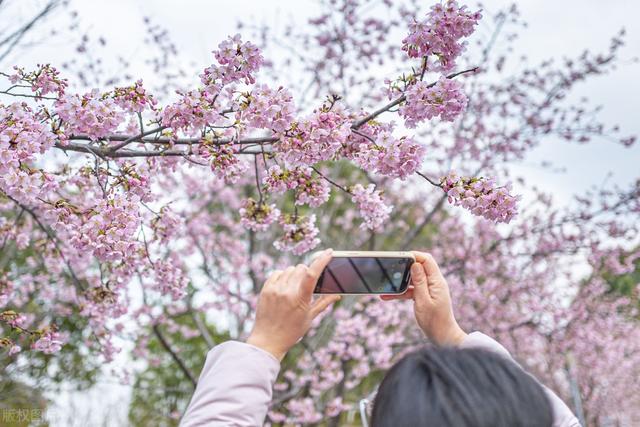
(562, 415)
(234, 388)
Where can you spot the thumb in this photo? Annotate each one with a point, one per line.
(322, 303)
(420, 285)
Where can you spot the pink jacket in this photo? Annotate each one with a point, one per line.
(236, 383)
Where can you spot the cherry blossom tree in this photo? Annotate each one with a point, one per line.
(136, 219)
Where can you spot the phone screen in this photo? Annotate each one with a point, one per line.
(365, 275)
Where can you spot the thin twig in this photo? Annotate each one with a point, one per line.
(429, 179)
(137, 137)
(330, 181)
(52, 237)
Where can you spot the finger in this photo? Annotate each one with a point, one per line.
(297, 276)
(313, 273)
(322, 303)
(434, 275)
(420, 285)
(407, 295)
(273, 278)
(284, 277)
(420, 256)
(299, 272)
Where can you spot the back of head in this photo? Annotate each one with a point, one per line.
(459, 388)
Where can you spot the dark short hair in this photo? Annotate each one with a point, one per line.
(460, 388)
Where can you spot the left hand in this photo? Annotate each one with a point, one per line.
(286, 307)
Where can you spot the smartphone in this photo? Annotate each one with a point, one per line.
(366, 272)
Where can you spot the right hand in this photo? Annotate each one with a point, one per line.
(432, 302)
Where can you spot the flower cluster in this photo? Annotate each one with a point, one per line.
(372, 208)
(167, 225)
(424, 101)
(22, 135)
(49, 342)
(258, 216)
(109, 231)
(134, 98)
(13, 319)
(237, 61)
(300, 234)
(318, 137)
(224, 163)
(481, 197)
(439, 34)
(191, 112)
(387, 155)
(6, 286)
(170, 278)
(308, 190)
(265, 108)
(91, 114)
(46, 79)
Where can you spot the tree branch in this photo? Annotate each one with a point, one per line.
(174, 355)
(427, 219)
(114, 151)
(358, 123)
(51, 237)
(106, 153)
(14, 38)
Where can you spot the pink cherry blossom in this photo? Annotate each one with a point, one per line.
(91, 114)
(266, 108)
(372, 208)
(439, 34)
(386, 154)
(134, 98)
(481, 197)
(316, 138)
(307, 189)
(300, 234)
(43, 81)
(224, 163)
(445, 99)
(258, 216)
(49, 342)
(237, 60)
(191, 112)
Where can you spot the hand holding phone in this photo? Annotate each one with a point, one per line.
(366, 272)
(432, 302)
(286, 306)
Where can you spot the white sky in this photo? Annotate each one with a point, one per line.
(556, 28)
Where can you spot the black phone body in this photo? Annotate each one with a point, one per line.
(366, 272)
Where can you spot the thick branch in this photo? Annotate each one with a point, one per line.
(144, 137)
(177, 141)
(104, 153)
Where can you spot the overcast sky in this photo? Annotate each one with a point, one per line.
(556, 28)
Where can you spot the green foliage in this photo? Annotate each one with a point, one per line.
(74, 364)
(21, 405)
(625, 284)
(162, 388)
